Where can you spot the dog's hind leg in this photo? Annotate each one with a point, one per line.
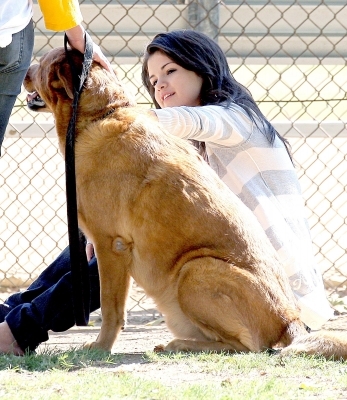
(228, 306)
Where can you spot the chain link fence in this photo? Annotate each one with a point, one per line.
(290, 54)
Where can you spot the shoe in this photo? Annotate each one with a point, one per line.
(4, 310)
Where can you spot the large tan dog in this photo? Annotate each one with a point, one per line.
(156, 212)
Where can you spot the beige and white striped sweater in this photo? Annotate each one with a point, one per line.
(264, 178)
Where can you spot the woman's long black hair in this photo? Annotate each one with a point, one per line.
(197, 52)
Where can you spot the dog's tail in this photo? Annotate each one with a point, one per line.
(329, 344)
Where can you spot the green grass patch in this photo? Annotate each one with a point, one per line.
(91, 374)
(49, 360)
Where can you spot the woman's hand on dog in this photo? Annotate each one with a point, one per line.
(89, 251)
(77, 41)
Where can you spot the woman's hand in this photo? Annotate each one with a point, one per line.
(77, 41)
(153, 114)
(89, 251)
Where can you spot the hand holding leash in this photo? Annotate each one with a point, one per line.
(76, 38)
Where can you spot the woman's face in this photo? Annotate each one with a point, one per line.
(174, 85)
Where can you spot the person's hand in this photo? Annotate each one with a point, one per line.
(153, 115)
(77, 41)
(89, 251)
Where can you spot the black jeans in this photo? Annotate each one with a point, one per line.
(48, 303)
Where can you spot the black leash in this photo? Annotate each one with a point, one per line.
(77, 241)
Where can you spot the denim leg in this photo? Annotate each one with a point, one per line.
(48, 277)
(52, 307)
(14, 63)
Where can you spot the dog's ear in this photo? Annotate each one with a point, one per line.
(63, 80)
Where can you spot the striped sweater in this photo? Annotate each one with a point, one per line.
(263, 177)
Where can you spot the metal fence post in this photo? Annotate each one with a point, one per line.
(204, 17)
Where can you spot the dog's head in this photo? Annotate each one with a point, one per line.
(50, 86)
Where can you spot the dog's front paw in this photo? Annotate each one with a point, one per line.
(93, 345)
(90, 345)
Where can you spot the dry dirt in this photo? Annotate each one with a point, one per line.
(143, 332)
(145, 329)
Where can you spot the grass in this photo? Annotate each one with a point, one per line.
(83, 374)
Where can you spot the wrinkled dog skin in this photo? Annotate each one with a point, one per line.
(156, 212)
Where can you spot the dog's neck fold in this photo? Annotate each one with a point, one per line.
(111, 96)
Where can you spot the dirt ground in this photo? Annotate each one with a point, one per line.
(144, 331)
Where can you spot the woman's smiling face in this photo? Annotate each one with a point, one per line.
(174, 85)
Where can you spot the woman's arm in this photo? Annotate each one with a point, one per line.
(214, 124)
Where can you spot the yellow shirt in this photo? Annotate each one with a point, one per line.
(60, 15)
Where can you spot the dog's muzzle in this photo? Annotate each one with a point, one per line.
(35, 102)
